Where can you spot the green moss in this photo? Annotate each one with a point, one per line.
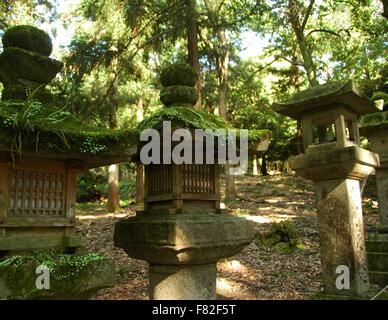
(193, 119)
(187, 117)
(176, 95)
(375, 120)
(28, 38)
(283, 237)
(68, 273)
(178, 74)
(319, 91)
(30, 126)
(18, 63)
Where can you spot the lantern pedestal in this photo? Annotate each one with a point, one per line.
(183, 249)
(337, 172)
(186, 282)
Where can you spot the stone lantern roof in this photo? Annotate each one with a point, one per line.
(374, 121)
(179, 97)
(335, 93)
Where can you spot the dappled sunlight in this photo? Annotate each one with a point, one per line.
(231, 266)
(272, 218)
(102, 216)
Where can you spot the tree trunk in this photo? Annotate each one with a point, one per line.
(230, 185)
(113, 188)
(304, 48)
(139, 109)
(306, 53)
(385, 8)
(192, 45)
(223, 70)
(263, 169)
(255, 170)
(113, 170)
(139, 165)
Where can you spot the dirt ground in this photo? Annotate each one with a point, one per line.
(257, 272)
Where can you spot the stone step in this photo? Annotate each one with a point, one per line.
(378, 261)
(379, 278)
(377, 246)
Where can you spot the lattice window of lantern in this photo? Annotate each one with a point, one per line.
(36, 194)
(159, 179)
(198, 178)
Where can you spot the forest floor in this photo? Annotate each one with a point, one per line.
(257, 272)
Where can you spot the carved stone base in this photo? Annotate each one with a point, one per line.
(183, 249)
(178, 239)
(382, 190)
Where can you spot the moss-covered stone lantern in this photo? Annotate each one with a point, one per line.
(375, 127)
(25, 64)
(334, 160)
(42, 149)
(182, 231)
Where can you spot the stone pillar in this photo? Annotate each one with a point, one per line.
(375, 127)
(139, 187)
(186, 282)
(337, 173)
(341, 232)
(183, 249)
(382, 192)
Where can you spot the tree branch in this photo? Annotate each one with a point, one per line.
(308, 13)
(325, 31)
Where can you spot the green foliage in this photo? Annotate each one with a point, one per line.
(375, 120)
(28, 38)
(93, 186)
(28, 116)
(29, 125)
(65, 271)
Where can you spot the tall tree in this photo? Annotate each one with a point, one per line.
(113, 170)
(222, 55)
(192, 44)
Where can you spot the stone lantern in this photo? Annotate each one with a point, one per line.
(182, 232)
(38, 177)
(334, 160)
(25, 64)
(375, 127)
